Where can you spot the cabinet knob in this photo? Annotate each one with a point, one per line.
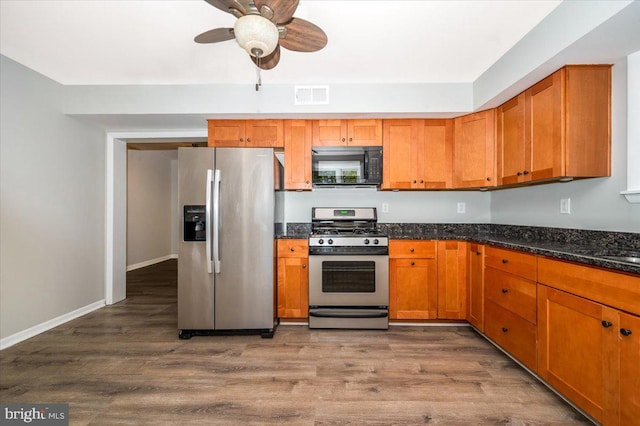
(350, 139)
(411, 250)
(478, 253)
(505, 329)
(488, 179)
(505, 260)
(526, 172)
(519, 173)
(307, 182)
(625, 331)
(292, 249)
(606, 324)
(505, 291)
(414, 181)
(248, 139)
(343, 139)
(304, 266)
(421, 181)
(241, 139)
(413, 263)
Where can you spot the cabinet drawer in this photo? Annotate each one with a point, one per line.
(511, 292)
(293, 248)
(404, 249)
(614, 289)
(514, 262)
(514, 334)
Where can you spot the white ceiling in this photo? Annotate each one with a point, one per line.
(98, 42)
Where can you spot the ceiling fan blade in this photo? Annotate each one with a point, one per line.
(282, 9)
(215, 35)
(223, 5)
(270, 61)
(303, 36)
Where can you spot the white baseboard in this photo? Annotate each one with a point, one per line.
(151, 262)
(48, 325)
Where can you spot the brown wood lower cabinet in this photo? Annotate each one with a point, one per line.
(475, 285)
(413, 274)
(513, 333)
(452, 279)
(293, 279)
(591, 354)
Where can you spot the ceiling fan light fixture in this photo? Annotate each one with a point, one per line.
(257, 35)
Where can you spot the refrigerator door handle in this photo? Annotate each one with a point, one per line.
(209, 220)
(216, 222)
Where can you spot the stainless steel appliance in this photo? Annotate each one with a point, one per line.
(348, 270)
(347, 166)
(226, 247)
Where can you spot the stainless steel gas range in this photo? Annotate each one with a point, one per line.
(348, 269)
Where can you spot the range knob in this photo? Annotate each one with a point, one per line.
(330, 241)
(366, 241)
(376, 241)
(320, 241)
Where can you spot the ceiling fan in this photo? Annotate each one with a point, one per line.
(263, 26)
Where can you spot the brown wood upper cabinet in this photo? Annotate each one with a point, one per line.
(246, 133)
(560, 127)
(297, 159)
(357, 132)
(474, 161)
(417, 154)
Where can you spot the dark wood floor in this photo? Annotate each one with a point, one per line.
(124, 364)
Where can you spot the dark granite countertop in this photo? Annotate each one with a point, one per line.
(575, 245)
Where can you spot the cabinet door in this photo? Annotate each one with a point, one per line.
(435, 154)
(264, 133)
(474, 159)
(475, 288)
(400, 154)
(452, 280)
(330, 133)
(629, 369)
(545, 134)
(364, 132)
(293, 287)
(226, 133)
(297, 154)
(578, 350)
(512, 153)
(413, 289)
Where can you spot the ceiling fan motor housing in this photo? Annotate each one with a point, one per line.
(257, 35)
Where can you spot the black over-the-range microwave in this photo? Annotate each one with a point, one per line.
(348, 165)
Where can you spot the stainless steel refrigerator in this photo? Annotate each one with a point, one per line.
(226, 246)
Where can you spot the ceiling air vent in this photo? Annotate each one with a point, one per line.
(312, 95)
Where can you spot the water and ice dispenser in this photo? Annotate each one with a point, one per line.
(194, 224)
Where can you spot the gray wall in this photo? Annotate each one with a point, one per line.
(151, 212)
(52, 212)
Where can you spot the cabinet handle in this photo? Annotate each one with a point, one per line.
(304, 266)
(292, 249)
(478, 253)
(488, 179)
(413, 263)
(248, 139)
(505, 329)
(350, 139)
(414, 181)
(505, 261)
(307, 182)
(411, 249)
(505, 291)
(606, 324)
(343, 139)
(421, 181)
(241, 139)
(526, 172)
(625, 331)
(519, 173)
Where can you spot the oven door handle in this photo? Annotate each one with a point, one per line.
(348, 315)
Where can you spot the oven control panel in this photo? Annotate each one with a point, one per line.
(338, 241)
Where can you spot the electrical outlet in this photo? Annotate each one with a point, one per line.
(462, 207)
(385, 207)
(565, 205)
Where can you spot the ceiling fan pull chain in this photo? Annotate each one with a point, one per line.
(259, 83)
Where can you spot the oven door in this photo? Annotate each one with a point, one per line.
(360, 281)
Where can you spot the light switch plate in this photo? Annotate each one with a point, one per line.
(462, 207)
(385, 207)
